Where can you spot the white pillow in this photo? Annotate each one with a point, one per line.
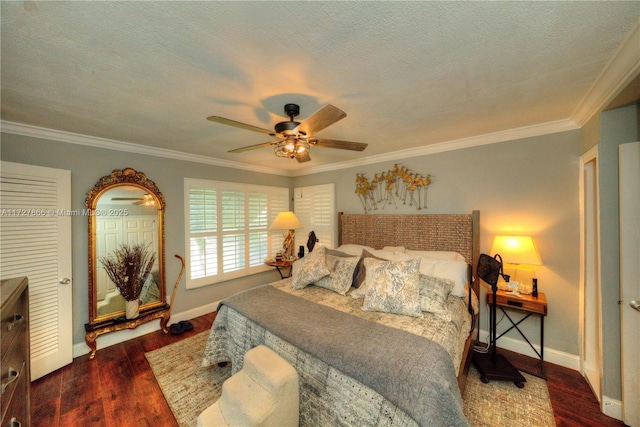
(427, 266)
(453, 256)
(392, 256)
(394, 248)
(452, 270)
(355, 250)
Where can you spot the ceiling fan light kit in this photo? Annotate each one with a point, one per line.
(295, 138)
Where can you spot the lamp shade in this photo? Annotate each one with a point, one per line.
(516, 250)
(285, 220)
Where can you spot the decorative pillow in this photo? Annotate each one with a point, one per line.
(392, 287)
(452, 256)
(453, 270)
(360, 274)
(334, 252)
(309, 269)
(433, 295)
(341, 273)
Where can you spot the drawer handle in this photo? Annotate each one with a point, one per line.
(14, 423)
(15, 320)
(12, 375)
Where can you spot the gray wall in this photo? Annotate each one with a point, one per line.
(529, 186)
(617, 127)
(87, 165)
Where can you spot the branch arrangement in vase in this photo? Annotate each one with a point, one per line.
(128, 268)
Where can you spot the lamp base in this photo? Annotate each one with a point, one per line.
(499, 369)
(288, 246)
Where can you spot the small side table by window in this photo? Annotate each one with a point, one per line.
(528, 305)
(282, 265)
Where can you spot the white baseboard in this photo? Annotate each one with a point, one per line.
(110, 339)
(612, 408)
(571, 361)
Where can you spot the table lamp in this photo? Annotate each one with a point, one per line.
(518, 250)
(287, 220)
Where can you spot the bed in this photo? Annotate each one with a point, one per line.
(373, 367)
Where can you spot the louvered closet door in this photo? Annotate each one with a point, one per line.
(35, 241)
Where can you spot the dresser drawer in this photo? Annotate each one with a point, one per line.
(17, 408)
(14, 321)
(14, 390)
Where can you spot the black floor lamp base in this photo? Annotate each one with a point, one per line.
(500, 369)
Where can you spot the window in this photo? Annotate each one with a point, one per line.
(227, 229)
(315, 208)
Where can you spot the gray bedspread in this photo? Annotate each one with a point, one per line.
(414, 373)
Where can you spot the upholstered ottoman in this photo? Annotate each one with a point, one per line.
(263, 393)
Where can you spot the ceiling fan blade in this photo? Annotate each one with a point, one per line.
(253, 147)
(303, 157)
(322, 118)
(341, 145)
(126, 198)
(240, 125)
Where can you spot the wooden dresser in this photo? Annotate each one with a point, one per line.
(16, 374)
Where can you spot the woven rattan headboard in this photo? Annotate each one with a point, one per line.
(429, 232)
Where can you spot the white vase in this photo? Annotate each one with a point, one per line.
(132, 309)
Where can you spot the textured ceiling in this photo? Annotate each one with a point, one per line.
(408, 74)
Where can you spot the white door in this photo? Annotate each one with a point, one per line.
(630, 280)
(590, 309)
(35, 241)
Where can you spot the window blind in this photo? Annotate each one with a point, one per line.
(315, 208)
(228, 229)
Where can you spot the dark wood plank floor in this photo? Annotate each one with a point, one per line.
(118, 388)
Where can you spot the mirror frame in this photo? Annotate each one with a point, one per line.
(117, 178)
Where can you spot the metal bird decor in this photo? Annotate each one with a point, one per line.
(392, 187)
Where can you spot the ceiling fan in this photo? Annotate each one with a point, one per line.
(294, 139)
(146, 200)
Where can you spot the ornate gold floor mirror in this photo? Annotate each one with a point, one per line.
(126, 255)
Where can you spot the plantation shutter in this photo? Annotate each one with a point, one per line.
(35, 225)
(228, 229)
(315, 208)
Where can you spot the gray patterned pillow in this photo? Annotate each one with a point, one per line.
(309, 269)
(392, 287)
(434, 292)
(341, 273)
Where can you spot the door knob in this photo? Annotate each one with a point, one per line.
(64, 281)
(635, 305)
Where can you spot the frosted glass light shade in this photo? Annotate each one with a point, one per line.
(516, 250)
(285, 220)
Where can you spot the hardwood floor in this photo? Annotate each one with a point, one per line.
(118, 388)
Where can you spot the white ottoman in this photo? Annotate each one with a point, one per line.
(263, 393)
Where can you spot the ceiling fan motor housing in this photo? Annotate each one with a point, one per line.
(286, 128)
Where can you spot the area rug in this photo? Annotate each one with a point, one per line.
(190, 389)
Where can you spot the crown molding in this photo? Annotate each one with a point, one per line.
(623, 67)
(456, 144)
(110, 144)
